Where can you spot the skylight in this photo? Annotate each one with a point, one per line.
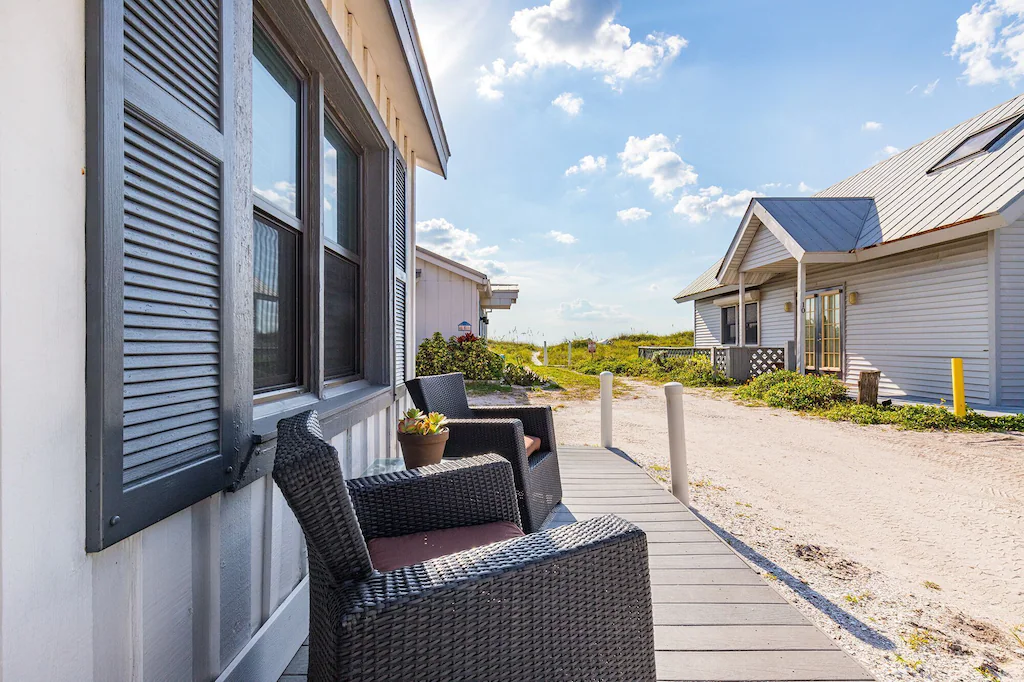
(978, 143)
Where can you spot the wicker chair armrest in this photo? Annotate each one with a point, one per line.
(538, 420)
(460, 492)
(504, 437)
(581, 552)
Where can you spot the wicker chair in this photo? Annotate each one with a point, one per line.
(524, 435)
(572, 603)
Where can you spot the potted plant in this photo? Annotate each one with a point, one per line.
(422, 437)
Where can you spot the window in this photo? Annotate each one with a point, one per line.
(277, 233)
(341, 255)
(729, 325)
(823, 350)
(980, 142)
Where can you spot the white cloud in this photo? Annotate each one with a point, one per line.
(653, 287)
(282, 193)
(709, 201)
(632, 215)
(990, 42)
(768, 186)
(582, 310)
(930, 88)
(653, 158)
(871, 126)
(805, 188)
(582, 35)
(569, 103)
(889, 150)
(440, 236)
(588, 164)
(561, 237)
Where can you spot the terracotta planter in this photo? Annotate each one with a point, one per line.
(419, 451)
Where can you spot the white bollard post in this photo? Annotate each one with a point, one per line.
(606, 409)
(545, 353)
(568, 362)
(677, 442)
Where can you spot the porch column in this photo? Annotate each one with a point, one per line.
(801, 292)
(741, 315)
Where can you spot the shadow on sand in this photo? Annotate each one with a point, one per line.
(837, 614)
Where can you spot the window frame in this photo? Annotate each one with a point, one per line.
(299, 223)
(337, 249)
(756, 321)
(336, 89)
(1012, 121)
(735, 324)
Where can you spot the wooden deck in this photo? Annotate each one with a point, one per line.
(714, 617)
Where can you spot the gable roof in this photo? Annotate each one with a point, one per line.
(896, 199)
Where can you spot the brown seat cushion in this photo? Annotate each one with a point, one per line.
(387, 554)
(532, 444)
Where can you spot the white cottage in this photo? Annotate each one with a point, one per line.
(205, 225)
(453, 298)
(899, 268)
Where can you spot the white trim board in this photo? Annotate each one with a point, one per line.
(274, 645)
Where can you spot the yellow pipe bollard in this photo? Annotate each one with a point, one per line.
(959, 402)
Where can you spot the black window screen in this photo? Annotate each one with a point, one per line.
(750, 321)
(275, 306)
(341, 317)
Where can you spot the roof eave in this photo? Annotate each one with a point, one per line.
(405, 28)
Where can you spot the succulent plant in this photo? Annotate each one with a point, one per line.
(417, 422)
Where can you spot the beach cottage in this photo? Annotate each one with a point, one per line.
(898, 268)
(455, 299)
(206, 212)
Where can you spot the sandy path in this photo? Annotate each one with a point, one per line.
(886, 511)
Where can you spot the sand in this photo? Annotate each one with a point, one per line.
(850, 522)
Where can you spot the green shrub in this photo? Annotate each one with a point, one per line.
(794, 391)
(434, 356)
(519, 375)
(467, 354)
(695, 371)
(629, 367)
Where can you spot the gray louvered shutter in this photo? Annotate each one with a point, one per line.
(401, 269)
(163, 417)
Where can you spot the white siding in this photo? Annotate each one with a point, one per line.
(764, 249)
(707, 323)
(443, 300)
(915, 312)
(778, 326)
(179, 600)
(1010, 244)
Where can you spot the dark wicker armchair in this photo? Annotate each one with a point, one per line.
(571, 603)
(522, 434)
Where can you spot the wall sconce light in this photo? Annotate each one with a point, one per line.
(852, 298)
(788, 306)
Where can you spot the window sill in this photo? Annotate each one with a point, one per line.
(341, 409)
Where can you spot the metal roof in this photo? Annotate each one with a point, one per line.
(896, 198)
(910, 200)
(821, 224)
(705, 282)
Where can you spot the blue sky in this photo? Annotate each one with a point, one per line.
(699, 106)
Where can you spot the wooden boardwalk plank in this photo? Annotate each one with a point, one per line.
(740, 638)
(727, 614)
(715, 594)
(739, 666)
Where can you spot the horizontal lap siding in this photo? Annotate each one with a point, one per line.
(764, 249)
(778, 326)
(707, 323)
(1011, 313)
(915, 312)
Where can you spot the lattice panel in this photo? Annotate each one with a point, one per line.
(764, 360)
(721, 360)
